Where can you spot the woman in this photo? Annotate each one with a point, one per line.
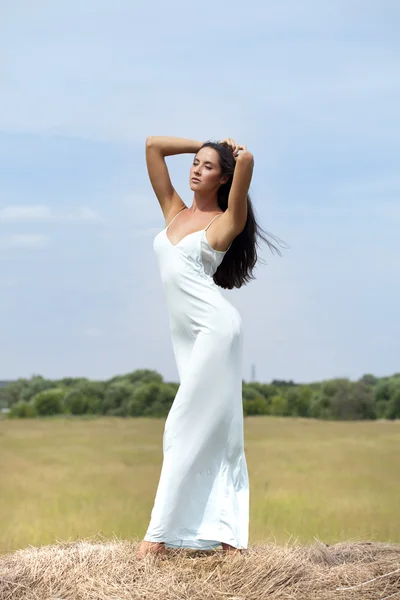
(202, 498)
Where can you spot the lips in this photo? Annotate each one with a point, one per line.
(195, 179)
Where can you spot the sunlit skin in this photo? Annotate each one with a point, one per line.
(206, 168)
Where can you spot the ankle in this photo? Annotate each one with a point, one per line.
(228, 548)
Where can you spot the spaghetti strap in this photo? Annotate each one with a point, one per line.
(212, 221)
(175, 216)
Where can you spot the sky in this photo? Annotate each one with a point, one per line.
(311, 88)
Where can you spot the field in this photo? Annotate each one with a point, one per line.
(67, 478)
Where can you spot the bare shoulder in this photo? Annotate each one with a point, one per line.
(222, 231)
(172, 207)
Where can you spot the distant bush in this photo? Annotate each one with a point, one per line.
(144, 393)
(137, 377)
(116, 399)
(254, 403)
(76, 403)
(279, 405)
(151, 400)
(36, 384)
(49, 402)
(393, 406)
(23, 410)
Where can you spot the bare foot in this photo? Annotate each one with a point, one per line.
(228, 549)
(151, 548)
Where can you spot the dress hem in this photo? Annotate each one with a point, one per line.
(196, 543)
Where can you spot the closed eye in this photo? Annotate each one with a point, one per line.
(209, 168)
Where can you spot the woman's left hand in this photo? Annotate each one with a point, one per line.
(243, 149)
(233, 145)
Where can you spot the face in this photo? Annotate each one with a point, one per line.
(206, 168)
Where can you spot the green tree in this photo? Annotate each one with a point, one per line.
(71, 382)
(23, 410)
(116, 399)
(11, 393)
(254, 403)
(36, 384)
(280, 383)
(49, 402)
(267, 390)
(304, 401)
(152, 399)
(94, 392)
(363, 400)
(383, 392)
(75, 402)
(138, 377)
(393, 406)
(320, 405)
(279, 405)
(369, 379)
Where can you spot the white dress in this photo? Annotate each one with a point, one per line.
(203, 493)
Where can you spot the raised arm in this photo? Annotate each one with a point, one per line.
(237, 200)
(157, 148)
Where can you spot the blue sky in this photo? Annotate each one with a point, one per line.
(313, 90)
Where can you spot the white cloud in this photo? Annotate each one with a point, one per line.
(41, 213)
(85, 214)
(25, 240)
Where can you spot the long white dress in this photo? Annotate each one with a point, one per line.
(202, 497)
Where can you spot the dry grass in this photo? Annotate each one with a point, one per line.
(69, 478)
(101, 569)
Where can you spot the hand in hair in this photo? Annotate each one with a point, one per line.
(234, 146)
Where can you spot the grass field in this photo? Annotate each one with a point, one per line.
(67, 478)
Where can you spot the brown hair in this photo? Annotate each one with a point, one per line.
(237, 266)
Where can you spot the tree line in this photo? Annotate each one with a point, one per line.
(144, 393)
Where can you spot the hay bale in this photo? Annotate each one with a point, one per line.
(102, 569)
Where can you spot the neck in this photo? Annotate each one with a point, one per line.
(204, 203)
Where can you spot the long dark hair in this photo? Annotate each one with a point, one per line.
(237, 266)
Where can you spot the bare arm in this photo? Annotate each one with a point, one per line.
(237, 200)
(157, 147)
(168, 145)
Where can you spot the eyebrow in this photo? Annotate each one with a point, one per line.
(206, 162)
